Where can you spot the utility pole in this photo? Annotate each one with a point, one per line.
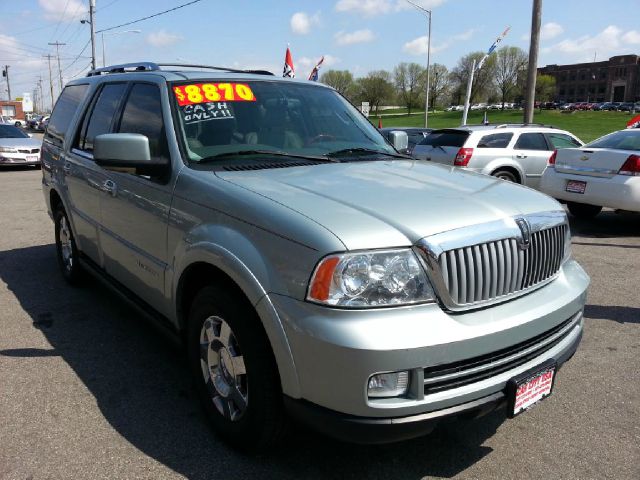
(532, 70)
(92, 19)
(467, 98)
(58, 44)
(5, 73)
(40, 95)
(48, 57)
(426, 102)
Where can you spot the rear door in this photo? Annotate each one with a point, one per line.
(135, 213)
(441, 146)
(532, 152)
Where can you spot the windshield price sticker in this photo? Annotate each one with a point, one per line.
(213, 92)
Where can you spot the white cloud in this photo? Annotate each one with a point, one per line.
(359, 36)
(550, 30)
(372, 8)
(418, 46)
(302, 22)
(330, 60)
(307, 63)
(54, 10)
(162, 38)
(632, 36)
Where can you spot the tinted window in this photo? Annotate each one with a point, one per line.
(531, 141)
(63, 112)
(446, 139)
(558, 140)
(9, 131)
(100, 119)
(495, 140)
(143, 114)
(623, 140)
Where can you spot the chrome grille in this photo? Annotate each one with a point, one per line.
(28, 150)
(486, 271)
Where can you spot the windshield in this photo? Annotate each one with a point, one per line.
(287, 117)
(9, 131)
(622, 140)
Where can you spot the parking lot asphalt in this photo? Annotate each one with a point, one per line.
(88, 391)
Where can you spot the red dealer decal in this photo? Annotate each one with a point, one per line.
(213, 92)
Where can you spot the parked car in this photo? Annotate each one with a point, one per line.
(42, 123)
(308, 268)
(17, 147)
(414, 135)
(626, 107)
(478, 106)
(603, 173)
(33, 121)
(567, 106)
(517, 153)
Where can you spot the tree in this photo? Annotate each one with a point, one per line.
(341, 80)
(408, 77)
(439, 83)
(482, 79)
(510, 64)
(545, 88)
(375, 88)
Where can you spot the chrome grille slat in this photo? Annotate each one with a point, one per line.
(480, 273)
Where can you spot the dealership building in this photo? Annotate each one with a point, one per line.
(613, 80)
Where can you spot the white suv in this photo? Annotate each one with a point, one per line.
(518, 153)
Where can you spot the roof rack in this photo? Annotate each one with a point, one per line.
(522, 125)
(151, 67)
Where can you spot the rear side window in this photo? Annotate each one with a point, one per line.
(101, 117)
(63, 112)
(531, 141)
(143, 114)
(559, 140)
(446, 139)
(495, 140)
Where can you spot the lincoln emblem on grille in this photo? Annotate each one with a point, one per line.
(525, 229)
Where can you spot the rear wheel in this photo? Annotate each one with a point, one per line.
(583, 210)
(234, 369)
(506, 175)
(66, 249)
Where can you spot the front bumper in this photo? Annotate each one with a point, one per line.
(12, 159)
(336, 351)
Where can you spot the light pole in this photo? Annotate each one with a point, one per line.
(104, 64)
(426, 102)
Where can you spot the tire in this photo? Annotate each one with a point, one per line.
(245, 409)
(506, 175)
(66, 250)
(583, 210)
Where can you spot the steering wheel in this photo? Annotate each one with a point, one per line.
(323, 137)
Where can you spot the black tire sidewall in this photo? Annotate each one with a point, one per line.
(260, 424)
(74, 274)
(583, 210)
(504, 173)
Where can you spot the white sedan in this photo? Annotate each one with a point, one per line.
(603, 173)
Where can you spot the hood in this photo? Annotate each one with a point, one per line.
(391, 203)
(20, 142)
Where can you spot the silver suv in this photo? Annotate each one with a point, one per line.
(513, 152)
(311, 271)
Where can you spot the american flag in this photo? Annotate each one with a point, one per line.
(314, 73)
(289, 70)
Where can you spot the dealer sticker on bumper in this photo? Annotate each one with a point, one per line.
(529, 389)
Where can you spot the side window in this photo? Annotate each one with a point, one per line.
(559, 140)
(531, 141)
(63, 112)
(496, 140)
(100, 119)
(143, 114)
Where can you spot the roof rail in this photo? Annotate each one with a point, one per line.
(122, 68)
(523, 125)
(150, 67)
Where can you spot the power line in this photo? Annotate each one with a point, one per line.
(77, 57)
(86, 67)
(150, 16)
(60, 19)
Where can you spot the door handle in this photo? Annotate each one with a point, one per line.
(519, 155)
(110, 187)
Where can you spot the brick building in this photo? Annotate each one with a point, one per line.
(11, 109)
(613, 80)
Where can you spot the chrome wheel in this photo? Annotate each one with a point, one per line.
(223, 368)
(66, 245)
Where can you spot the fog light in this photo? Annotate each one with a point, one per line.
(392, 384)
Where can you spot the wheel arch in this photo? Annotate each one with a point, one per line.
(505, 164)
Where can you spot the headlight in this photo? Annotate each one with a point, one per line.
(8, 150)
(370, 279)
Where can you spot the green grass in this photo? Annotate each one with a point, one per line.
(585, 125)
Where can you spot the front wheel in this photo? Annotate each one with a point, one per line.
(234, 369)
(583, 210)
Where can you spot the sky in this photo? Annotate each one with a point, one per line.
(356, 35)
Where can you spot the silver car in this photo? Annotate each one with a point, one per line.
(517, 153)
(311, 271)
(17, 147)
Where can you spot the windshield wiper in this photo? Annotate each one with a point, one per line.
(276, 153)
(346, 151)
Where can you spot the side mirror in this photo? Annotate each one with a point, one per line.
(128, 153)
(399, 140)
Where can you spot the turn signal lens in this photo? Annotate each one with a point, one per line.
(463, 156)
(552, 159)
